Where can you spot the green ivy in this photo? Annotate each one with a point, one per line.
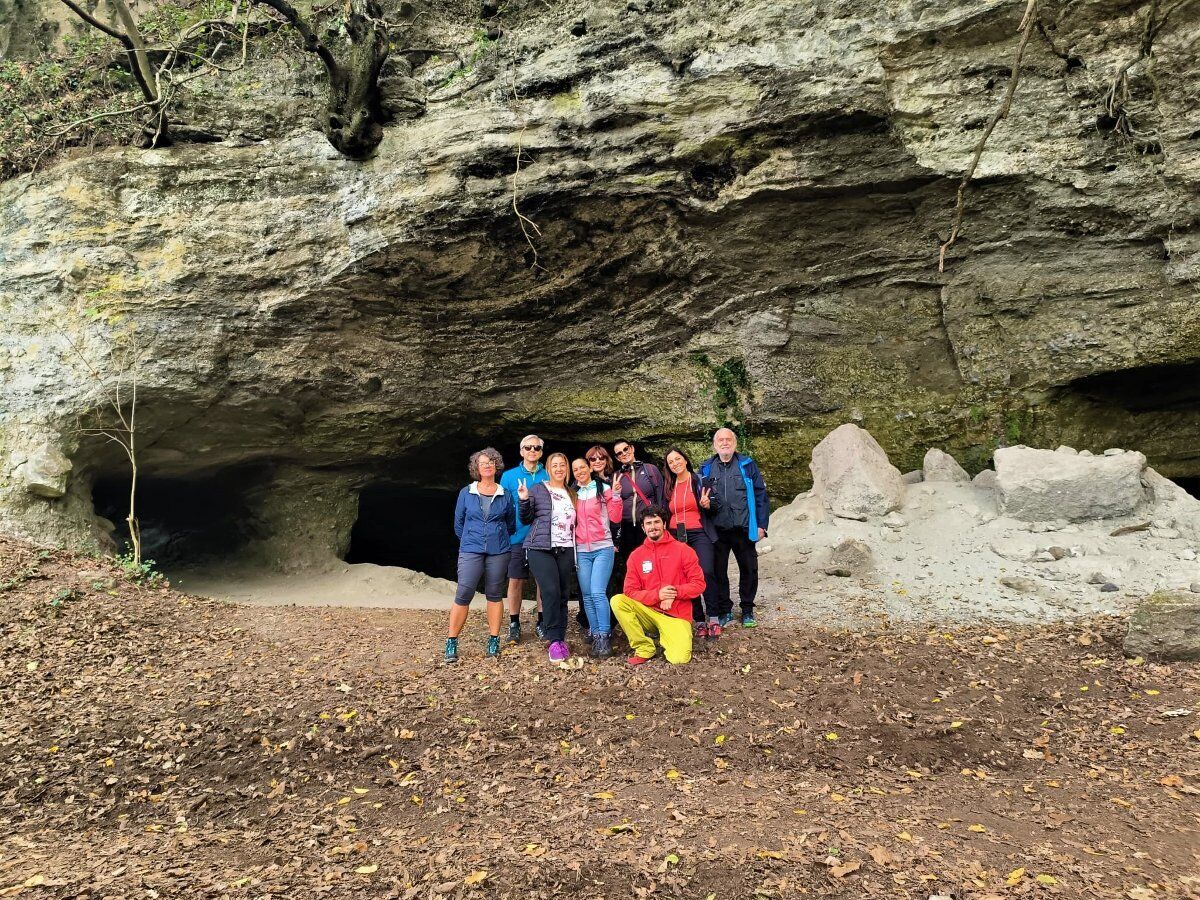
(731, 382)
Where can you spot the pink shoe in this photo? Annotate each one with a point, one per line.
(714, 631)
(701, 630)
(559, 652)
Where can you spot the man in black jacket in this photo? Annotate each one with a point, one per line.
(741, 521)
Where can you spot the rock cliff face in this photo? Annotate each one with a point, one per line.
(733, 210)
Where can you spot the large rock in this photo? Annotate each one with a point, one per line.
(852, 475)
(1043, 485)
(941, 466)
(44, 470)
(1165, 625)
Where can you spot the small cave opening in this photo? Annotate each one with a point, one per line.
(1158, 388)
(185, 519)
(408, 526)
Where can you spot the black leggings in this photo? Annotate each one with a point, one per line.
(553, 570)
(699, 541)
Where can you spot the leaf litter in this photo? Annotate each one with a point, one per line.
(162, 745)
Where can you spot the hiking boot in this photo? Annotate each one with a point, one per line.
(514, 632)
(637, 660)
(541, 632)
(748, 620)
(601, 646)
(714, 631)
(493, 647)
(724, 620)
(451, 650)
(559, 652)
(701, 630)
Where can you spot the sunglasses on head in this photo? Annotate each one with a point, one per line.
(531, 446)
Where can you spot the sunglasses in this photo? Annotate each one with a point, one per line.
(595, 458)
(623, 451)
(537, 447)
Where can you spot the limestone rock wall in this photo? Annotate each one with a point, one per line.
(738, 210)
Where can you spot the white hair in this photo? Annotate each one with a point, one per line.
(531, 437)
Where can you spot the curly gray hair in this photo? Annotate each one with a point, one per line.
(491, 453)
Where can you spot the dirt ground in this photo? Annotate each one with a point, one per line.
(160, 745)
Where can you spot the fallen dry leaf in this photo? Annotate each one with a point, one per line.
(881, 855)
(845, 869)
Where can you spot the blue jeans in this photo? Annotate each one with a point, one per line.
(594, 568)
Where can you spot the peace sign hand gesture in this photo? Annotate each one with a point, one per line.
(704, 501)
(617, 482)
(522, 489)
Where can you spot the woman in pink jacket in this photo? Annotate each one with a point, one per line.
(597, 506)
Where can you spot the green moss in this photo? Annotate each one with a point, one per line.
(566, 102)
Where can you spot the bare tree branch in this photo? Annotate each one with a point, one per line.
(134, 35)
(1118, 92)
(522, 219)
(1027, 27)
(94, 22)
(312, 43)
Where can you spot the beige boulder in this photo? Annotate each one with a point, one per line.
(852, 475)
(941, 466)
(1045, 485)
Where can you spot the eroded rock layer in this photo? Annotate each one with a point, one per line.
(734, 211)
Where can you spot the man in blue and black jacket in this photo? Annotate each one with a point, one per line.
(741, 522)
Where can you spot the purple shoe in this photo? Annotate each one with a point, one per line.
(559, 652)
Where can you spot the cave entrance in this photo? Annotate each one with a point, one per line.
(188, 519)
(403, 525)
(1168, 387)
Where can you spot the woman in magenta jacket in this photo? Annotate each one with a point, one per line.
(597, 507)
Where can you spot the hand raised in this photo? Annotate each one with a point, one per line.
(617, 483)
(704, 501)
(522, 490)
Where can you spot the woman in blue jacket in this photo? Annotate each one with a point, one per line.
(484, 520)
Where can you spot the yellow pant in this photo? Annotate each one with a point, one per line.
(636, 619)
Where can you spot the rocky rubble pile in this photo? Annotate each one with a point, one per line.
(1047, 533)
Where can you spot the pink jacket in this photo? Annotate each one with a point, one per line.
(591, 524)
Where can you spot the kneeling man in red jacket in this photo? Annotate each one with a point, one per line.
(662, 578)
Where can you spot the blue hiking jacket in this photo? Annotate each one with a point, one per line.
(758, 507)
(509, 480)
(478, 533)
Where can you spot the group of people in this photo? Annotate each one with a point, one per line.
(664, 537)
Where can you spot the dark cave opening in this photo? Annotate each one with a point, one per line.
(402, 525)
(1158, 388)
(185, 519)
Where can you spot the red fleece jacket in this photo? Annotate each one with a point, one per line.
(655, 565)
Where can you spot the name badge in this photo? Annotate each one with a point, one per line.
(647, 566)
